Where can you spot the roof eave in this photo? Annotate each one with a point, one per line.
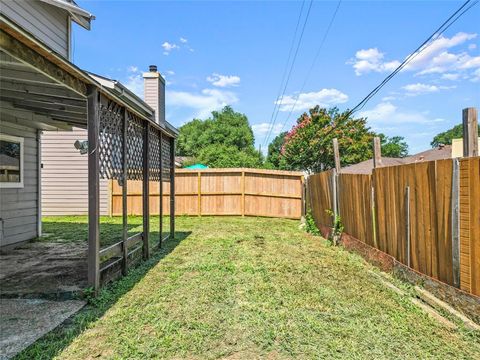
(81, 16)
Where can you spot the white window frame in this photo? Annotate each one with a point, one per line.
(14, 185)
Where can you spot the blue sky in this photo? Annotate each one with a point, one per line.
(217, 53)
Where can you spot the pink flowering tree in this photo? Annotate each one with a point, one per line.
(308, 145)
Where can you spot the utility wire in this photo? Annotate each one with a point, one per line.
(441, 29)
(289, 73)
(286, 65)
(325, 35)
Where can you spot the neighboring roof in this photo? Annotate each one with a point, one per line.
(438, 153)
(366, 167)
(80, 16)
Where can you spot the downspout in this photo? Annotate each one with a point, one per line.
(39, 182)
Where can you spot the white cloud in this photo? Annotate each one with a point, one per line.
(450, 76)
(419, 88)
(134, 80)
(223, 80)
(435, 58)
(203, 103)
(260, 130)
(368, 60)
(475, 76)
(389, 114)
(472, 46)
(183, 40)
(168, 47)
(388, 98)
(170, 72)
(323, 98)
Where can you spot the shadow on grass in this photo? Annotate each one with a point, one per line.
(52, 344)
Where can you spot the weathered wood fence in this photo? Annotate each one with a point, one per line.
(246, 192)
(426, 215)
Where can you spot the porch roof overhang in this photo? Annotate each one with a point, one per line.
(81, 16)
(36, 79)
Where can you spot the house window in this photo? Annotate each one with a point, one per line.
(11, 161)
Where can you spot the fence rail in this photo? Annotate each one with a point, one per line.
(239, 191)
(426, 215)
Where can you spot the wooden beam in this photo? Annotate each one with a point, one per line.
(243, 193)
(456, 222)
(172, 188)
(377, 152)
(470, 132)
(161, 192)
(336, 155)
(199, 190)
(124, 194)
(22, 52)
(146, 192)
(93, 190)
(52, 90)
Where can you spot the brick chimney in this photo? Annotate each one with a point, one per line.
(154, 93)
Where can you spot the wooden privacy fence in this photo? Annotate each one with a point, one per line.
(246, 192)
(426, 215)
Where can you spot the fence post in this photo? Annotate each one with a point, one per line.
(336, 154)
(93, 189)
(407, 224)
(146, 193)
(199, 193)
(160, 190)
(377, 152)
(243, 193)
(374, 215)
(172, 188)
(470, 132)
(334, 192)
(124, 194)
(456, 223)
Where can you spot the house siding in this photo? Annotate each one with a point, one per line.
(48, 23)
(65, 175)
(19, 206)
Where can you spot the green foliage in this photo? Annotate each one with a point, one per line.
(223, 140)
(308, 146)
(223, 156)
(337, 228)
(275, 160)
(394, 146)
(446, 137)
(310, 226)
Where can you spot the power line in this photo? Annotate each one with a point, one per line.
(288, 62)
(441, 29)
(289, 72)
(325, 35)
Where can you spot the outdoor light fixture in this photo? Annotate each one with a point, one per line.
(82, 146)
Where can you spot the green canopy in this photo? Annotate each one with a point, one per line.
(197, 166)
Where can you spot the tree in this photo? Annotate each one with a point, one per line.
(274, 157)
(223, 140)
(308, 146)
(394, 146)
(446, 137)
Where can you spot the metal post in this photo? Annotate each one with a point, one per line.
(93, 189)
(407, 224)
(172, 188)
(470, 132)
(146, 193)
(456, 223)
(124, 194)
(160, 209)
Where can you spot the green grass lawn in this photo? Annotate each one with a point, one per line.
(246, 288)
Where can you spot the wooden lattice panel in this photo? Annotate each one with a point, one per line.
(166, 158)
(110, 139)
(135, 136)
(154, 154)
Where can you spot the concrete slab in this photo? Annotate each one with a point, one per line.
(23, 321)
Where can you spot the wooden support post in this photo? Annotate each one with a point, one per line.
(199, 204)
(172, 188)
(243, 194)
(456, 222)
(407, 224)
(146, 193)
(470, 132)
(374, 219)
(334, 192)
(160, 208)
(336, 154)
(93, 189)
(377, 152)
(124, 194)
